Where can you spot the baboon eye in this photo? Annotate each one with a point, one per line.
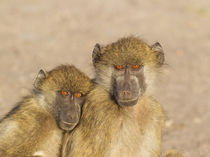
(119, 67)
(135, 67)
(77, 95)
(64, 93)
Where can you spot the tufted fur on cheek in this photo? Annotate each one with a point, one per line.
(104, 77)
(150, 78)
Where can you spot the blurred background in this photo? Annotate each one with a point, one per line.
(42, 34)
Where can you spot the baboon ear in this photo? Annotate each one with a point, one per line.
(157, 48)
(40, 78)
(96, 53)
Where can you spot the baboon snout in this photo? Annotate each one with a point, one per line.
(70, 113)
(125, 94)
(73, 117)
(69, 120)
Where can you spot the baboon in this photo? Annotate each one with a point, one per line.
(35, 126)
(120, 117)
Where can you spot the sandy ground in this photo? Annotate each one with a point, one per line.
(42, 34)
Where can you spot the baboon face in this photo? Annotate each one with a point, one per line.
(69, 107)
(120, 68)
(64, 89)
(128, 84)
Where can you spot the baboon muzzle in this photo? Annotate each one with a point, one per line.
(70, 116)
(126, 90)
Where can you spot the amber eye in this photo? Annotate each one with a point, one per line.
(78, 95)
(119, 67)
(64, 93)
(135, 67)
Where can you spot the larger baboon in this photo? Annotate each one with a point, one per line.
(35, 126)
(120, 117)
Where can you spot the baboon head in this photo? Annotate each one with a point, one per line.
(62, 91)
(125, 68)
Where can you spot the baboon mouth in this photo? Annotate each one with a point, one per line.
(130, 102)
(67, 125)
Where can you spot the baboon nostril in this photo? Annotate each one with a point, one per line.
(73, 118)
(125, 94)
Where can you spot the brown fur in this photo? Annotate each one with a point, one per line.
(30, 129)
(109, 130)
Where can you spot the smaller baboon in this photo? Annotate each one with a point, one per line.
(35, 126)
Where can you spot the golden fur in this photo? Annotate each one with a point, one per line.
(106, 130)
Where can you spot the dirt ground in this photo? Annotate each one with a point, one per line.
(44, 33)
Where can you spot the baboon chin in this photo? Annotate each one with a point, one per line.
(35, 126)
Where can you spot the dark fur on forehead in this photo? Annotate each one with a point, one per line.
(128, 50)
(67, 77)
